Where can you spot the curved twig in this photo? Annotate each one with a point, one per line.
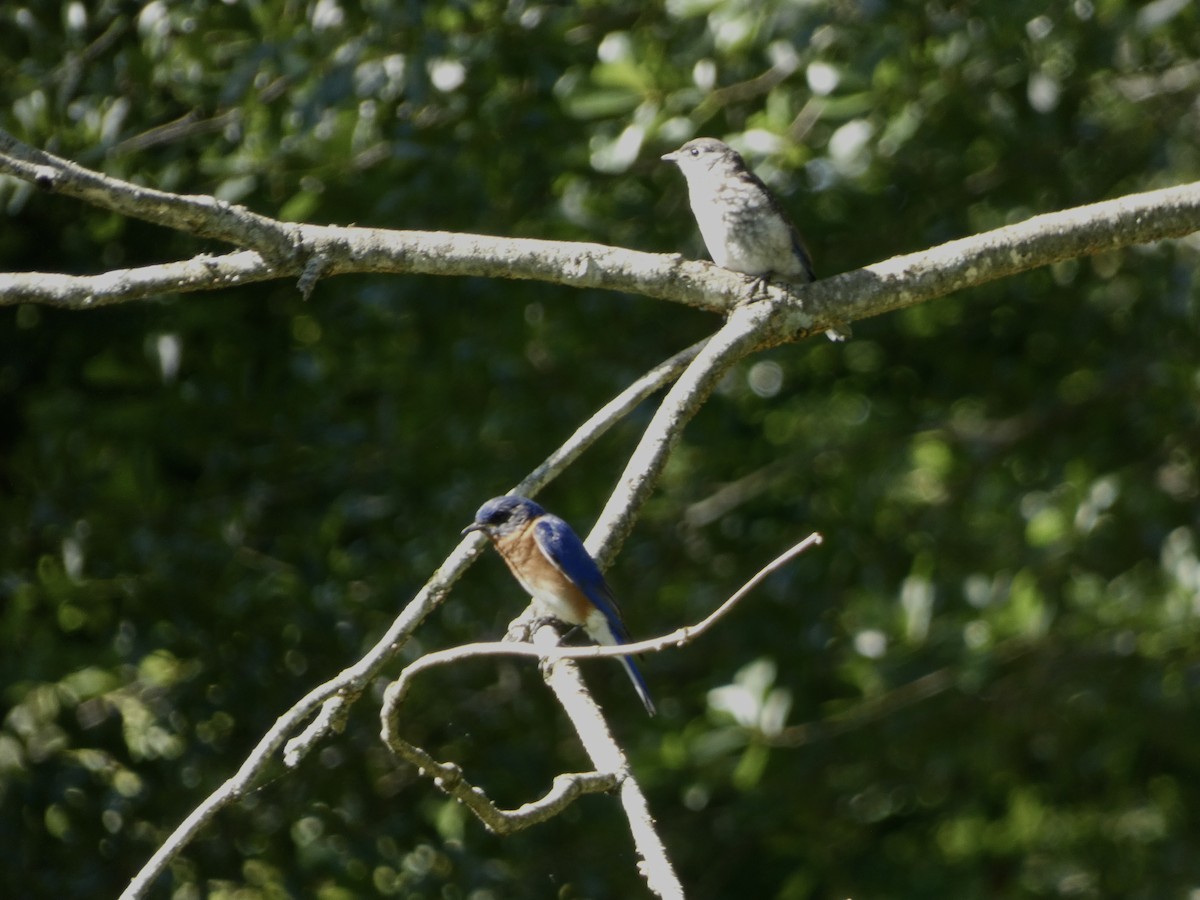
(448, 777)
(680, 637)
(589, 723)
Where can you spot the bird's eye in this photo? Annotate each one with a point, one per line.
(695, 151)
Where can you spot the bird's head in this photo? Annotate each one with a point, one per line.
(701, 157)
(504, 515)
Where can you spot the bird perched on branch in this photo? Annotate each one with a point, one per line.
(551, 563)
(743, 226)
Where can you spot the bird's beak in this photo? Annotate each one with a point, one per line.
(670, 157)
(474, 526)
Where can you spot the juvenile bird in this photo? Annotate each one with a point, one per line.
(743, 226)
(553, 566)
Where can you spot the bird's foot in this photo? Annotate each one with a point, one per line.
(572, 634)
(758, 287)
(544, 622)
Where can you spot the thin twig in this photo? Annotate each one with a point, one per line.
(449, 777)
(677, 638)
(737, 338)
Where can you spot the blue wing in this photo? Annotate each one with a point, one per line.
(565, 550)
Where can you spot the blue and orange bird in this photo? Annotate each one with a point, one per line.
(551, 563)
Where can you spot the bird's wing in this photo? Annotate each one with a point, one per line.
(798, 246)
(562, 547)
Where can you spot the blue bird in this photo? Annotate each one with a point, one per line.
(551, 563)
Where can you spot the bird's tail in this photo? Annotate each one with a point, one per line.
(639, 683)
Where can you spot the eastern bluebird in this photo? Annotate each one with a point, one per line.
(743, 226)
(551, 563)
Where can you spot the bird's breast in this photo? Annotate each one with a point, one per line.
(556, 593)
(742, 230)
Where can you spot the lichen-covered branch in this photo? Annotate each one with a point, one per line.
(1042, 240)
(308, 252)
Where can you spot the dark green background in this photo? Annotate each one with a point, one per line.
(1008, 479)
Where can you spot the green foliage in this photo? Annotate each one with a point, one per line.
(984, 684)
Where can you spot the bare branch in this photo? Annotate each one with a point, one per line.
(585, 715)
(273, 249)
(449, 777)
(399, 689)
(589, 723)
(334, 697)
(1040, 241)
(341, 251)
(287, 249)
(356, 677)
(607, 756)
(895, 283)
(737, 338)
(201, 273)
(338, 251)
(196, 214)
(229, 792)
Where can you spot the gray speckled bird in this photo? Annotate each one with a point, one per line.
(743, 226)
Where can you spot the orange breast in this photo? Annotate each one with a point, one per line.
(557, 594)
